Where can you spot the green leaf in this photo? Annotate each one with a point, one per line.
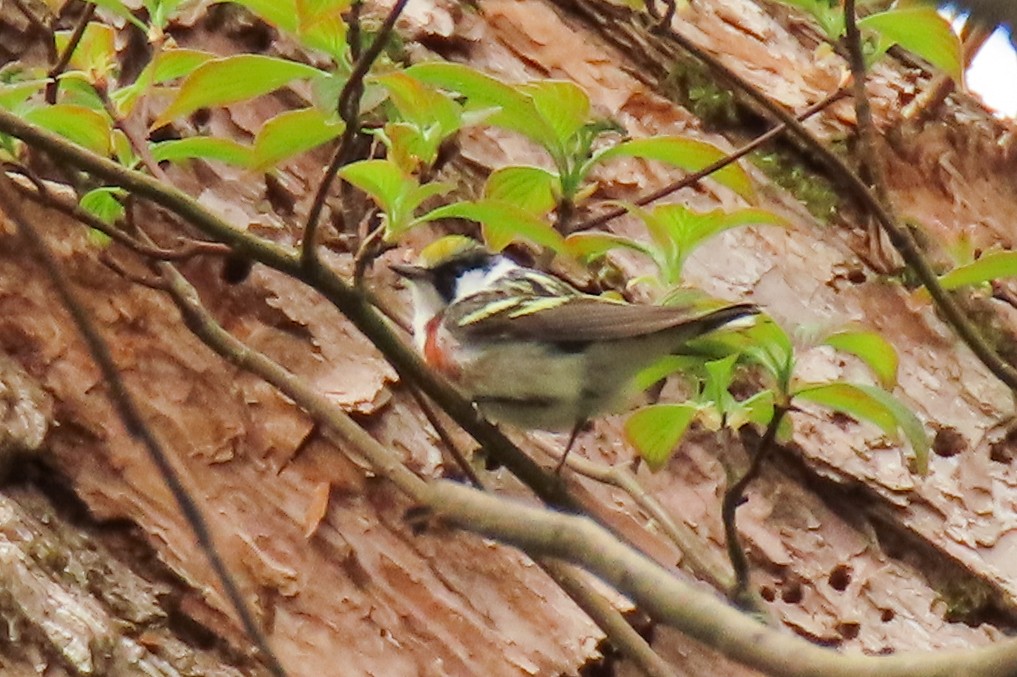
(168, 64)
(204, 148)
(234, 78)
(666, 366)
(688, 154)
(656, 430)
(871, 348)
(925, 32)
(502, 223)
(589, 246)
(877, 406)
(291, 133)
(281, 14)
(94, 54)
(757, 409)
(768, 345)
(395, 191)
(991, 266)
(320, 25)
(850, 399)
(120, 9)
(104, 203)
(531, 189)
(420, 104)
(13, 95)
(83, 126)
(562, 104)
(514, 109)
(718, 379)
(383, 180)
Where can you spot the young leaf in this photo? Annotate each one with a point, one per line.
(514, 110)
(562, 104)
(381, 179)
(168, 64)
(850, 399)
(589, 246)
(120, 9)
(925, 32)
(876, 406)
(321, 26)
(291, 133)
(991, 266)
(502, 223)
(421, 105)
(664, 367)
(656, 430)
(531, 189)
(871, 348)
(95, 53)
(233, 78)
(204, 148)
(688, 154)
(103, 203)
(281, 14)
(81, 125)
(15, 94)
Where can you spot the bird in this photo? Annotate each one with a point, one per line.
(531, 350)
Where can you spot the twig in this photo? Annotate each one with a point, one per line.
(53, 86)
(136, 426)
(714, 166)
(733, 498)
(188, 248)
(349, 111)
(697, 558)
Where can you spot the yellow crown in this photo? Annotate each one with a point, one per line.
(446, 248)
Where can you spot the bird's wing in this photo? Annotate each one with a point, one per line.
(578, 319)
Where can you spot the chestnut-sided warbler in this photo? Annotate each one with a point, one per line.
(528, 348)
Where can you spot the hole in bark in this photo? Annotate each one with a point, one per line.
(840, 577)
(856, 276)
(848, 629)
(886, 615)
(948, 442)
(768, 593)
(792, 593)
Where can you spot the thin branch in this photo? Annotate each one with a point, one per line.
(349, 111)
(187, 249)
(706, 171)
(699, 560)
(733, 498)
(135, 424)
(53, 86)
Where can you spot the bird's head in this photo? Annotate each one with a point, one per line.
(448, 270)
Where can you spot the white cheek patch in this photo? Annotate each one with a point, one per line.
(477, 280)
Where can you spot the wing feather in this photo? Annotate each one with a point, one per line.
(584, 318)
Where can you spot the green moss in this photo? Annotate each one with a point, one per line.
(692, 85)
(966, 600)
(814, 190)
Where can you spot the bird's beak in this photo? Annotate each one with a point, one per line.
(410, 272)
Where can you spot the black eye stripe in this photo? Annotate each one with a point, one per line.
(445, 276)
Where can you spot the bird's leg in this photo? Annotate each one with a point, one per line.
(568, 447)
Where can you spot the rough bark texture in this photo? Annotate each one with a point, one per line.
(848, 548)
